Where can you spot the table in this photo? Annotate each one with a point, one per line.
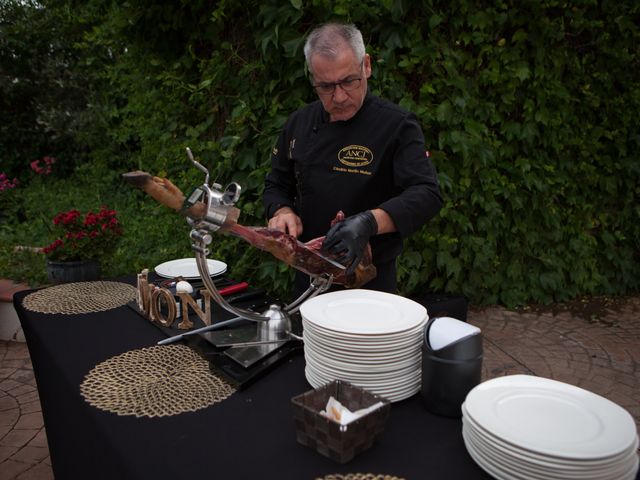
(249, 435)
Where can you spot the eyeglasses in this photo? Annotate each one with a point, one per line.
(347, 85)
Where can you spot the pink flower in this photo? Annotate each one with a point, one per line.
(90, 219)
(46, 169)
(66, 218)
(6, 184)
(57, 243)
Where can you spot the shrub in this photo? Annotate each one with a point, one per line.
(531, 113)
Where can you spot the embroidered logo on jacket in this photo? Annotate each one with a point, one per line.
(355, 156)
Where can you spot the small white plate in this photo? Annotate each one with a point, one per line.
(188, 269)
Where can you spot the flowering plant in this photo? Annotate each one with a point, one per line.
(8, 203)
(5, 183)
(84, 237)
(45, 168)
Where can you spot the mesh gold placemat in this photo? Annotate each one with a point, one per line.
(158, 381)
(358, 476)
(80, 297)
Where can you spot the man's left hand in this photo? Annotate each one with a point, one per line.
(350, 237)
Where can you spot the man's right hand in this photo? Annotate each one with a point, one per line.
(286, 220)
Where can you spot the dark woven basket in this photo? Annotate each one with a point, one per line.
(338, 442)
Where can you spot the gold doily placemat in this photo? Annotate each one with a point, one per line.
(158, 381)
(80, 297)
(358, 476)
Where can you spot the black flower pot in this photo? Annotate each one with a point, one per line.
(73, 271)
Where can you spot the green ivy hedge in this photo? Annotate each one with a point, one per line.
(530, 110)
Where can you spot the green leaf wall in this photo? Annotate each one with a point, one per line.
(530, 110)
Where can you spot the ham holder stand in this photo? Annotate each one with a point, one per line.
(209, 209)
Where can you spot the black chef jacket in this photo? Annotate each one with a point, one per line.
(376, 159)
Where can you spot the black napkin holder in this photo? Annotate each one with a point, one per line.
(449, 373)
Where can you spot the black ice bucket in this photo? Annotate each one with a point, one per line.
(450, 372)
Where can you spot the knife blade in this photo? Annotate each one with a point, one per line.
(219, 283)
(330, 260)
(240, 297)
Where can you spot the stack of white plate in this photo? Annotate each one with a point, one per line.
(368, 338)
(525, 427)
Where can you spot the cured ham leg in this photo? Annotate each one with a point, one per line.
(306, 257)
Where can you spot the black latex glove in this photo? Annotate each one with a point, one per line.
(349, 238)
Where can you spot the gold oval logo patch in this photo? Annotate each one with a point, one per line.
(355, 156)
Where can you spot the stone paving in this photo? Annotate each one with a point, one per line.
(24, 453)
(594, 344)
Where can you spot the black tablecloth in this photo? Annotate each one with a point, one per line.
(249, 435)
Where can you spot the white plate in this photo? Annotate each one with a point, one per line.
(515, 466)
(188, 269)
(506, 448)
(362, 365)
(393, 394)
(551, 417)
(547, 466)
(363, 312)
(403, 379)
(412, 334)
(363, 348)
(489, 467)
(398, 375)
(378, 359)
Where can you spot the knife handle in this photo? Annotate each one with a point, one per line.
(237, 288)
